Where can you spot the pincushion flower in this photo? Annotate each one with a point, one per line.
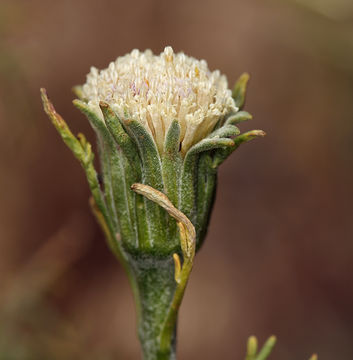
(164, 124)
(156, 90)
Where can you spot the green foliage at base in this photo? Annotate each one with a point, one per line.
(252, 352)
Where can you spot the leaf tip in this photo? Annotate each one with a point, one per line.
(314, 357)
(244, 77)
(77, 90)
(56, 119)
(106, 109)
(260, 133)
(272, 339)
(252, 345)
(239, 90)
(77, 103)
(103, 104)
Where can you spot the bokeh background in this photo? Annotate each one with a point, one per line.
(279, 254)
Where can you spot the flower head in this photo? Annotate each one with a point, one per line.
(155, 90)
(164, 125)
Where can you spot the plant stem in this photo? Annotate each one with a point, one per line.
(156, 288)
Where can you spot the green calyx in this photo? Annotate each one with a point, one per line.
(128, 154)
(154, 206)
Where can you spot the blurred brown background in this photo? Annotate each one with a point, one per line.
(278, 257)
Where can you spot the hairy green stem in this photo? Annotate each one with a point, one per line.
(156, 287)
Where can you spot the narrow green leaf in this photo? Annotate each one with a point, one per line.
(171, 172)
(171, 162)
(129, 148)
(122, 177)
(206, 186)
(239, 90)
(105, 143)
(118, 176)
(226, 131)
(120, 136)
(222, 154)
(152, 176)
(187, 198)
(151, 162)
(267, 348)
(105, 159)
(251, 348)
(81, 149)
(207, 145)
(237, 118)
(247, 136)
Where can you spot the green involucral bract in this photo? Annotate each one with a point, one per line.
(147, 227)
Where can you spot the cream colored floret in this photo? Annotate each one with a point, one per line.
(155, 90)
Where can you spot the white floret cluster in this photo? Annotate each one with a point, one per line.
(155, 90)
